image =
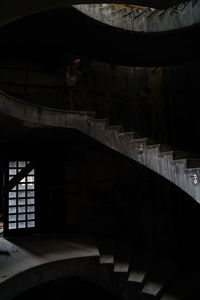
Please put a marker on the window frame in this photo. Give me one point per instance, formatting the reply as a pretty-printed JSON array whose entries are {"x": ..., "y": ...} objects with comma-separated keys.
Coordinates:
[{"x": 26, "y": 230}]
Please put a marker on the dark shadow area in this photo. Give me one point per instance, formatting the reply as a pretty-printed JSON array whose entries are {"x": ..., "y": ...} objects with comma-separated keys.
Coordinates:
[
  {"x": 67, "y": 288},
  {"x": 49, "y": 35}
]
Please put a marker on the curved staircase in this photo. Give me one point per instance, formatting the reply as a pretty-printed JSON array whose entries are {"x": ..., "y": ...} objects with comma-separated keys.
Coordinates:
[
  {"x": 144, "y": 19},
  {"x": 178, "y": 167}
]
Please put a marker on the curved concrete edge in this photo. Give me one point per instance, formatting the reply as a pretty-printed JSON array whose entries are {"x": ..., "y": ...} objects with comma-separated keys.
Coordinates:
[
  {"x": 39, "y": 260},
  {"x": 26, "y": 280},
  {"x": 177, "y": 17},
  {"x": 151, "y": 157},
  {"x": 12, "y": 10},
  {"x": 40, "y": 115}
]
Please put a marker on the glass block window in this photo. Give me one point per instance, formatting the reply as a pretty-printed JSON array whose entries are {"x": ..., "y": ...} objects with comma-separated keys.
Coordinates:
[{"x": 21, "y": 199}]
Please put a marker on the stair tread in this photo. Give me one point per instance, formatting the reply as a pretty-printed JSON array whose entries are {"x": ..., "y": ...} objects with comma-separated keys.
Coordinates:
[
  {"x": 126, "y": 133},
  {"x": 106, "y": 258},
  {"x": 105, "y": 246},
  {"x": 162, "y": 271},
  {"x": 140, "y": 265},
  {"x": 121, "y": 257}
]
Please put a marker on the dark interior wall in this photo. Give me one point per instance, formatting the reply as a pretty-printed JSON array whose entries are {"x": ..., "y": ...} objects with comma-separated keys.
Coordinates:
[
  {"x": 72, "y": 288},
  {"x": 181, "y": 88},
  {"x": 161, "y": 102},
  {"x": 91, "y": 189},
  {"x": 35, "y": 82},
  {"x": 82, "y": 190}
]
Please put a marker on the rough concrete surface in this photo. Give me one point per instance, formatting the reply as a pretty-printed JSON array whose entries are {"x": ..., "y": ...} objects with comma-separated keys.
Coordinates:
[{"x": 146, "y": 20}]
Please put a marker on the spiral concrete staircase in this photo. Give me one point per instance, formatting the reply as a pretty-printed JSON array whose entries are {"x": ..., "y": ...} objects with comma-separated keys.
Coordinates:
[
  {"x": 145, "y": 19},
  {"x": 181, "y": 168}
]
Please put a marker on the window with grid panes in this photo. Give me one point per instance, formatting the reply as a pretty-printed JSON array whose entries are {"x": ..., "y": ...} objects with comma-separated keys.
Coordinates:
[{"x": 21, "y": 199}]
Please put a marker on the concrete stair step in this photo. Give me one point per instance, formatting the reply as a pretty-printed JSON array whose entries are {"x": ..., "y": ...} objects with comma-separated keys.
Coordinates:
[
  {"x": 106, "y": 7},
  {"x": 150, "y": 13},
  {"x": 129, "y": 136},
  {"x": 106, "y": 250},
  {"x": 193, "y": 163},
  {"x": 183, "y": 5},
  {"x": 142, "y": 140},
  {"x": 161, "y": 272},
  {"x": 165, "y": 148},
  {"x": 141, "y": 263},
  {"x": 180, "y": 155},
  {"x": 120, "y": 12},
  {"x": 136, "y": 13},
  {"x": 166, "y": 153},
  {"x": 99, "y": 123},
  {"x": 162, "y": 148},
  {"x": 161, "y": 12},
  {"x": 142, "y": 12},
  {"x": 118, "y": 128},
  {"x": 129, "y": 13},
  {"x": 180, "y": 163},
  {"x": 103, "y": 120},
  {"x": 122, "y": 258}
]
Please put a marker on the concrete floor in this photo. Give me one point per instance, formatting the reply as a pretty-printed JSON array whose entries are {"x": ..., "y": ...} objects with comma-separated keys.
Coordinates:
[{"x": 21, "y": 254}]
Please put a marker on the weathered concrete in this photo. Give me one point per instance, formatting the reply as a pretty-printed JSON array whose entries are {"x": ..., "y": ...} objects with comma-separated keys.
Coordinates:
[
  {"x": 146, "y": 20},
  {"x": 12, "y": 10},
  {"x": 174, "y": 166}
]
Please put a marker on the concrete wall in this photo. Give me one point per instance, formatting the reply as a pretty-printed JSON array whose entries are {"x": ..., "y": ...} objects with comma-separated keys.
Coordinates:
[{"x": 35, "y": 82}]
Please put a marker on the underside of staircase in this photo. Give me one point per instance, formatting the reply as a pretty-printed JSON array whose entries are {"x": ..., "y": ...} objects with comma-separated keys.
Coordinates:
[
  {"x": 145, "y": 19},
  {"x": 10, "y": 10},
  {"x": 180, "y": 168}
]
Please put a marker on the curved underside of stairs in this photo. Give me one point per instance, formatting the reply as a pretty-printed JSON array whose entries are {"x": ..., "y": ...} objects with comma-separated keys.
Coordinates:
[
  {"x": 175, "y": 166},
  {"x": 12, "y": 10},
  {"x": 145, "y": 19}
]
